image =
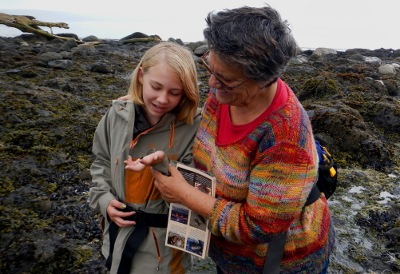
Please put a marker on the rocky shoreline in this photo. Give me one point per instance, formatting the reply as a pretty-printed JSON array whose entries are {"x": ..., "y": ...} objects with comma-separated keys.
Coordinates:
[{"x": 53, "y": 94}]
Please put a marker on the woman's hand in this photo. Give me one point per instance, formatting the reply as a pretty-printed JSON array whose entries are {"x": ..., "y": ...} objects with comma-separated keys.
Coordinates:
[
  {"x": 117, "y": 215},
  {"x": 172, "y": 187},
  {"x": 175, "y": 189}
]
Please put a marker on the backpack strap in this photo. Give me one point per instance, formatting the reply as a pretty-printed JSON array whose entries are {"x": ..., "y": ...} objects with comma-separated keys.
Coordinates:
[
  {"x": 314, "y": 195},
  {"x": 275, "y": 250}
]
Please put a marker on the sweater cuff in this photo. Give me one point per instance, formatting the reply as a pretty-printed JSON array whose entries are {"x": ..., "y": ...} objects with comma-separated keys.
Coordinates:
[{"x": 217, "y": 214}]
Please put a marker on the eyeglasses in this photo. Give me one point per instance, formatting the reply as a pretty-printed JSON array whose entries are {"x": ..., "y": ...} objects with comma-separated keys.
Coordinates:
[{"x": 228, "y": 87}]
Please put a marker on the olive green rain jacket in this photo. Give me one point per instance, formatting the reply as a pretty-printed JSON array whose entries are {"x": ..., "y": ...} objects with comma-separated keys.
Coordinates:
[{"x": 111, "y": 146}]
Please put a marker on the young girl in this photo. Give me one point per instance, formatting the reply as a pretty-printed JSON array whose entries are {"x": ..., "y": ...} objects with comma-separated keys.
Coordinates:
[{"x": 161, "y": 113}]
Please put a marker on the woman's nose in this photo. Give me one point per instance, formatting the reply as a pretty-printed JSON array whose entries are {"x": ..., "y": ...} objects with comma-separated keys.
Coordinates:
[{"x": 213, "y": 82}]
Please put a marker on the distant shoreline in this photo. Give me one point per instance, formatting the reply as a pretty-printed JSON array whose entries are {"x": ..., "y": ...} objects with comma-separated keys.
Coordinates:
[{"x": 11, "y": 33}]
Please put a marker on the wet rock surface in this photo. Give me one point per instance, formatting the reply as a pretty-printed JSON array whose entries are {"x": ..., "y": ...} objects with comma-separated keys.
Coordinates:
[{"x": 53, "y": 94}]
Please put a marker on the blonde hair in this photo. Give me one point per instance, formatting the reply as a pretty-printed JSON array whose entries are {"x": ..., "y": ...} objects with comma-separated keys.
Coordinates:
[{"x": 181, "y": 61}]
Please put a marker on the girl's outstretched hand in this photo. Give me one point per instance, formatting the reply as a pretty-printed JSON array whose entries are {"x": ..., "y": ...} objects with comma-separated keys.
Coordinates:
[
  {"x": 148, "y": 160},
  {"x": 134, "y": 165}
]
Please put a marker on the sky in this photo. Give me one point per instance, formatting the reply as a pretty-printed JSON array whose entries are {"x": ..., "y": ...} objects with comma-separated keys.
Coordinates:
[{"x": 339, "y": 24}]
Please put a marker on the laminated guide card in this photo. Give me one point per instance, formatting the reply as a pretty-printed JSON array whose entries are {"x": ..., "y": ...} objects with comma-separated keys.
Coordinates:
[{"x": 187, "y": 230}]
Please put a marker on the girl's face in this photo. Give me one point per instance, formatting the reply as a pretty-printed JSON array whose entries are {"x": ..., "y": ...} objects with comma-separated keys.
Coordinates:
[{"x": 162, "y": 91}]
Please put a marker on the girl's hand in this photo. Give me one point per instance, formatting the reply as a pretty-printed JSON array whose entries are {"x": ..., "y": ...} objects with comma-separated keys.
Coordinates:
[
  {"x": 117, "y": 215},
  {"x": 148, "y": 160},
  {"x": 134, "y": 165},
  {"x": 153, "y": 158}
]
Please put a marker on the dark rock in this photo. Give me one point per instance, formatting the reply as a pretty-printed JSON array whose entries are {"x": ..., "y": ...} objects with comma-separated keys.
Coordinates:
[
  {"x": 69, "y": 35},
  {"x": 322, "y": 52},
  {"x": 56, "y": 41},
  {"x": 178, "y": 41},
  {"x": 394, "y": 233},
  {"x": 32, "y": 38},
  {"x": 14, "y": 119},
  {"x": 194, "y": 45},
  {"x": 66, "y": 55},
  {"x": 357, "y": 57},
  {"x": 11, "y": 55},
  {"x": 396, "y": 53},
  {"x": 385, "y": 115},
  {"x": 101, "y": 68},
  {"x": 60, "y": 64},
  {"x": 6, "y": 239},
  {"x": 49, "y": 56},
  {"x": 85, "y": 175},
  {"x": 90, "y": 38},
  {"x": 83, "y": 51},
  {"x": 28, "y": 74},
  {"x": 68, "y": 45},
  {"x": 135, "y": 35},
  {"x": 392, "y": 87},
  {"x": 199, "y": 51}
]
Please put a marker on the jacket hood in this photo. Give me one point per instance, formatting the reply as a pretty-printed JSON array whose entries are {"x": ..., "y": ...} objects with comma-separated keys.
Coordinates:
[{"x": 122, "y": 108}]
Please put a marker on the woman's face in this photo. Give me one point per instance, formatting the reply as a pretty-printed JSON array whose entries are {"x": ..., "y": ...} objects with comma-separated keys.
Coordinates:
[
  {"x": 244, "y": 95},
  {"x": 162, "y": 91}
]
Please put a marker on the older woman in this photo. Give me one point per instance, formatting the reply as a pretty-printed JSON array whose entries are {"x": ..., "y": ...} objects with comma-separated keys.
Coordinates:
[{"x": 257, "y": 140}]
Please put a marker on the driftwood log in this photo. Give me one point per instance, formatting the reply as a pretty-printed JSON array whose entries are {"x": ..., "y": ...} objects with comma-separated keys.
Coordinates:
[
  {"x": 26, "y": 23},
  {"x": 134, "y": 40}
]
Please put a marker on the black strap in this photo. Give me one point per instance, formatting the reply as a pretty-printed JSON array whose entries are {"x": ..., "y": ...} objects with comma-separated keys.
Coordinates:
[
  {"x": 113, "y": 231},
  {"x": 314, "y": 195},
  {"x": 143, "y": 222},
  {"x": 275, "y": 250},
  {"x": 132, "y": 245},
  {"x": 274, "y": 257}
]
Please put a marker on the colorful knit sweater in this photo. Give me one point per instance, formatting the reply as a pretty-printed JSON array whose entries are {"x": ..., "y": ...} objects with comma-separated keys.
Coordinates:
[{"x": 263, "y": 181}]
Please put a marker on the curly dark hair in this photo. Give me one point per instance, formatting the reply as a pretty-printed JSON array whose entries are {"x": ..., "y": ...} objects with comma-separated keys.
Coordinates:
[{"x": 255, "y": 40}]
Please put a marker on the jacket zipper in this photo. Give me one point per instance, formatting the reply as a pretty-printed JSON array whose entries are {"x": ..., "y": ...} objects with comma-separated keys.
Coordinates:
[
  {"x": 157, "y": 247},
  {"x": 134, "y": 141},
  {"x": 171, "y": 135}
]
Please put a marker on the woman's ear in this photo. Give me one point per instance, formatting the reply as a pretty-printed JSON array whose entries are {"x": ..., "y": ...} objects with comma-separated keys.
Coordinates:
[{"x": 140, "y": 75}]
